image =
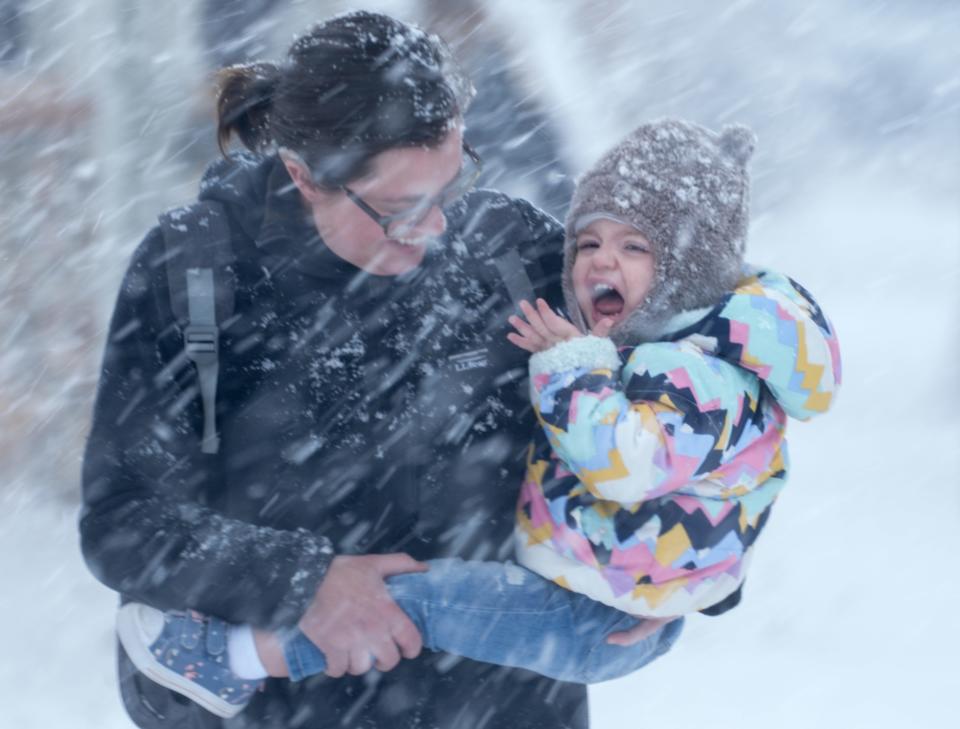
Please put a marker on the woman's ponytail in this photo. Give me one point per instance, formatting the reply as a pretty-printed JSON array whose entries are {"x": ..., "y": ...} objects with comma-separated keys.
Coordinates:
[{"x": 244, "y": 101}]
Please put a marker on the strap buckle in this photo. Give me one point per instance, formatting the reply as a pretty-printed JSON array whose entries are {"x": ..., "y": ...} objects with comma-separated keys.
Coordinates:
[{"x": 202, "y": 343}]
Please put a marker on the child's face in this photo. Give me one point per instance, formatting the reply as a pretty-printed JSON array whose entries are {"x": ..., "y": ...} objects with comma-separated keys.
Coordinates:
[{"x": 613, "y": 270}]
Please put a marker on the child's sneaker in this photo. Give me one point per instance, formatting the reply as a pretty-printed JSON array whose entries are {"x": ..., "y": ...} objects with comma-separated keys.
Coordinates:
[{"x": 187, "y": 653}]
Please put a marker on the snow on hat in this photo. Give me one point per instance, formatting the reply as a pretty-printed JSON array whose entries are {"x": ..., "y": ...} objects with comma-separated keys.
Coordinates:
[{"x": 686, "y": 189}]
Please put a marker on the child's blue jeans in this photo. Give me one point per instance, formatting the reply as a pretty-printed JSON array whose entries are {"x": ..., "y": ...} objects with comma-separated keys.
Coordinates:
[{"x": 507, "y": 615}]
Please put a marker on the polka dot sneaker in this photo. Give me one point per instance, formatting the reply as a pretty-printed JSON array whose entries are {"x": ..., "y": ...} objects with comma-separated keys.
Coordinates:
[{"x": 187, "y": 653}]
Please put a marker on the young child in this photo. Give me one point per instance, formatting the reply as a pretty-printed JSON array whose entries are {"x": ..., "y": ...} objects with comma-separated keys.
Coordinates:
[{"x": 662, "y": 405}]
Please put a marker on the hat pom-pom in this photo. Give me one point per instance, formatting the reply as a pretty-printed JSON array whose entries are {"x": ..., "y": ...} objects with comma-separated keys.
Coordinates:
[{"x": 738, "y": 142}]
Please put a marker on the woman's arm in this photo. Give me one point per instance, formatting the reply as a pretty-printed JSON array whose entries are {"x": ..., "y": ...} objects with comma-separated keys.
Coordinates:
[{"x": 145, "y": 531}]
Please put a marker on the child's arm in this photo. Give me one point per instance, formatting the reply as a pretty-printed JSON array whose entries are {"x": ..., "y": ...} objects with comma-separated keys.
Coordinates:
[{"x": 667, "y": 419}]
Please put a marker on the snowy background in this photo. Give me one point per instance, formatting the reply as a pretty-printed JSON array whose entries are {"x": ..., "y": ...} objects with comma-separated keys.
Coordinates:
[{"x": 850, "y": 618}]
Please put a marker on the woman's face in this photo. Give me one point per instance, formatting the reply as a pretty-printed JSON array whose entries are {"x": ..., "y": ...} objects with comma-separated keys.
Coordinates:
[
  {"x": 399, "y": 180},
  {"x": 613, "y": 270}
]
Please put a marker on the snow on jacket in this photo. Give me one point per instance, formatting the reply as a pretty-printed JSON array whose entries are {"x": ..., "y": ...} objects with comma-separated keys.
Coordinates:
[
  {"x": 653, "y": 475},
  {"x": 357, "y": 414}
]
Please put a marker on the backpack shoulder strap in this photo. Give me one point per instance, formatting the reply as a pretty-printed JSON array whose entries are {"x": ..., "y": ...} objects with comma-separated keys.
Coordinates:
[
  {"x": 514, "y": 274},
  {"x": 489, "y": 223},
  {"x": 199, "y": 260}
]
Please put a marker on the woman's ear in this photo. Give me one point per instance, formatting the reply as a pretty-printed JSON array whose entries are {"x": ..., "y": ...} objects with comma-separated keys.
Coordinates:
[{"x": 300, "y": 174}]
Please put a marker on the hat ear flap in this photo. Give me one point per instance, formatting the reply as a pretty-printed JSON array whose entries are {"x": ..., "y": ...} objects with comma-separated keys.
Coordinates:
[{"x": 738, "y": 142}]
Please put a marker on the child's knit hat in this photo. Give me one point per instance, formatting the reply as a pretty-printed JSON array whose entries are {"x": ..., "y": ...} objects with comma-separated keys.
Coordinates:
[{"x": 687, "y": 190}]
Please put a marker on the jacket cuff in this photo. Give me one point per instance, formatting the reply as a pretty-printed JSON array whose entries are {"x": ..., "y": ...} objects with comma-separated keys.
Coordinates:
[
  {"x": 315, "y": 557},
  {"x": 587, "y": 352}
]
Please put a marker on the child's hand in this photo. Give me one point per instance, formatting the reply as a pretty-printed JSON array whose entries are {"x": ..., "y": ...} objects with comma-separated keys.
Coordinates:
[
  {"x": 547, "y": 328},
  {"x": 643, "y": 630}
]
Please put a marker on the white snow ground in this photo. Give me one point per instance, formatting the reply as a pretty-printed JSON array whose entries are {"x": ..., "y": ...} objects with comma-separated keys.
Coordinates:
[{"x": 850, "y": 617}]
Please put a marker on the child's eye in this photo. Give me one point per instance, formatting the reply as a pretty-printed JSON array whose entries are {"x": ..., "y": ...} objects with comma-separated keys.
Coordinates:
[
  {"x": 637, "y": 247},
  {"x": 582, "y": 244}
]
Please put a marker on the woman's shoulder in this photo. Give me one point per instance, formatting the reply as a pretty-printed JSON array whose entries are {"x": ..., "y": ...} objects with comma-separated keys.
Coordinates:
[
  {"x": 144, "y": 269},
  {"x": 489, "y": 219}
]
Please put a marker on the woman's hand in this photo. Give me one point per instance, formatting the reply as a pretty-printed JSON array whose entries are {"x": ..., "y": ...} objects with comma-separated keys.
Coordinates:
[
  {"x": 353, "y": 619},
  {"x": 546, "y": 328}
]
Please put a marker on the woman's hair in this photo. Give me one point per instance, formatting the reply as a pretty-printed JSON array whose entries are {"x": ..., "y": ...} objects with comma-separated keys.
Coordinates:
[{"x": 351, "y": 87}]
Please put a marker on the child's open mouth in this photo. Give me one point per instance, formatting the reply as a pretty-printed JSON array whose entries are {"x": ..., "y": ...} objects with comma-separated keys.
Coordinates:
[{"x": 607, "y": 301}]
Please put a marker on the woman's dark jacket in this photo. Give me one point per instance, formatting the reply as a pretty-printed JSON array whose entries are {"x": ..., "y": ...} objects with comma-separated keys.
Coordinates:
[{"x": 357, "y": 414}]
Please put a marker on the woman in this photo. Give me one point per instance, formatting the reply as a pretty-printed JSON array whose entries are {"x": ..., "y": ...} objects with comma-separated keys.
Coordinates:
[{"x": 366, "y": 398}]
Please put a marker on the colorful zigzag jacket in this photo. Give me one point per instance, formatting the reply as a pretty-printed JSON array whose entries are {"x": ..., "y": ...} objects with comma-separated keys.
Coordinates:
[{"x": 656, "y": 467}]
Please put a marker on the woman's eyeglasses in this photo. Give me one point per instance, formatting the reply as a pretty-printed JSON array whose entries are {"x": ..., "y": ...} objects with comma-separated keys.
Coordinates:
[{"x": 398, "y": 225}]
